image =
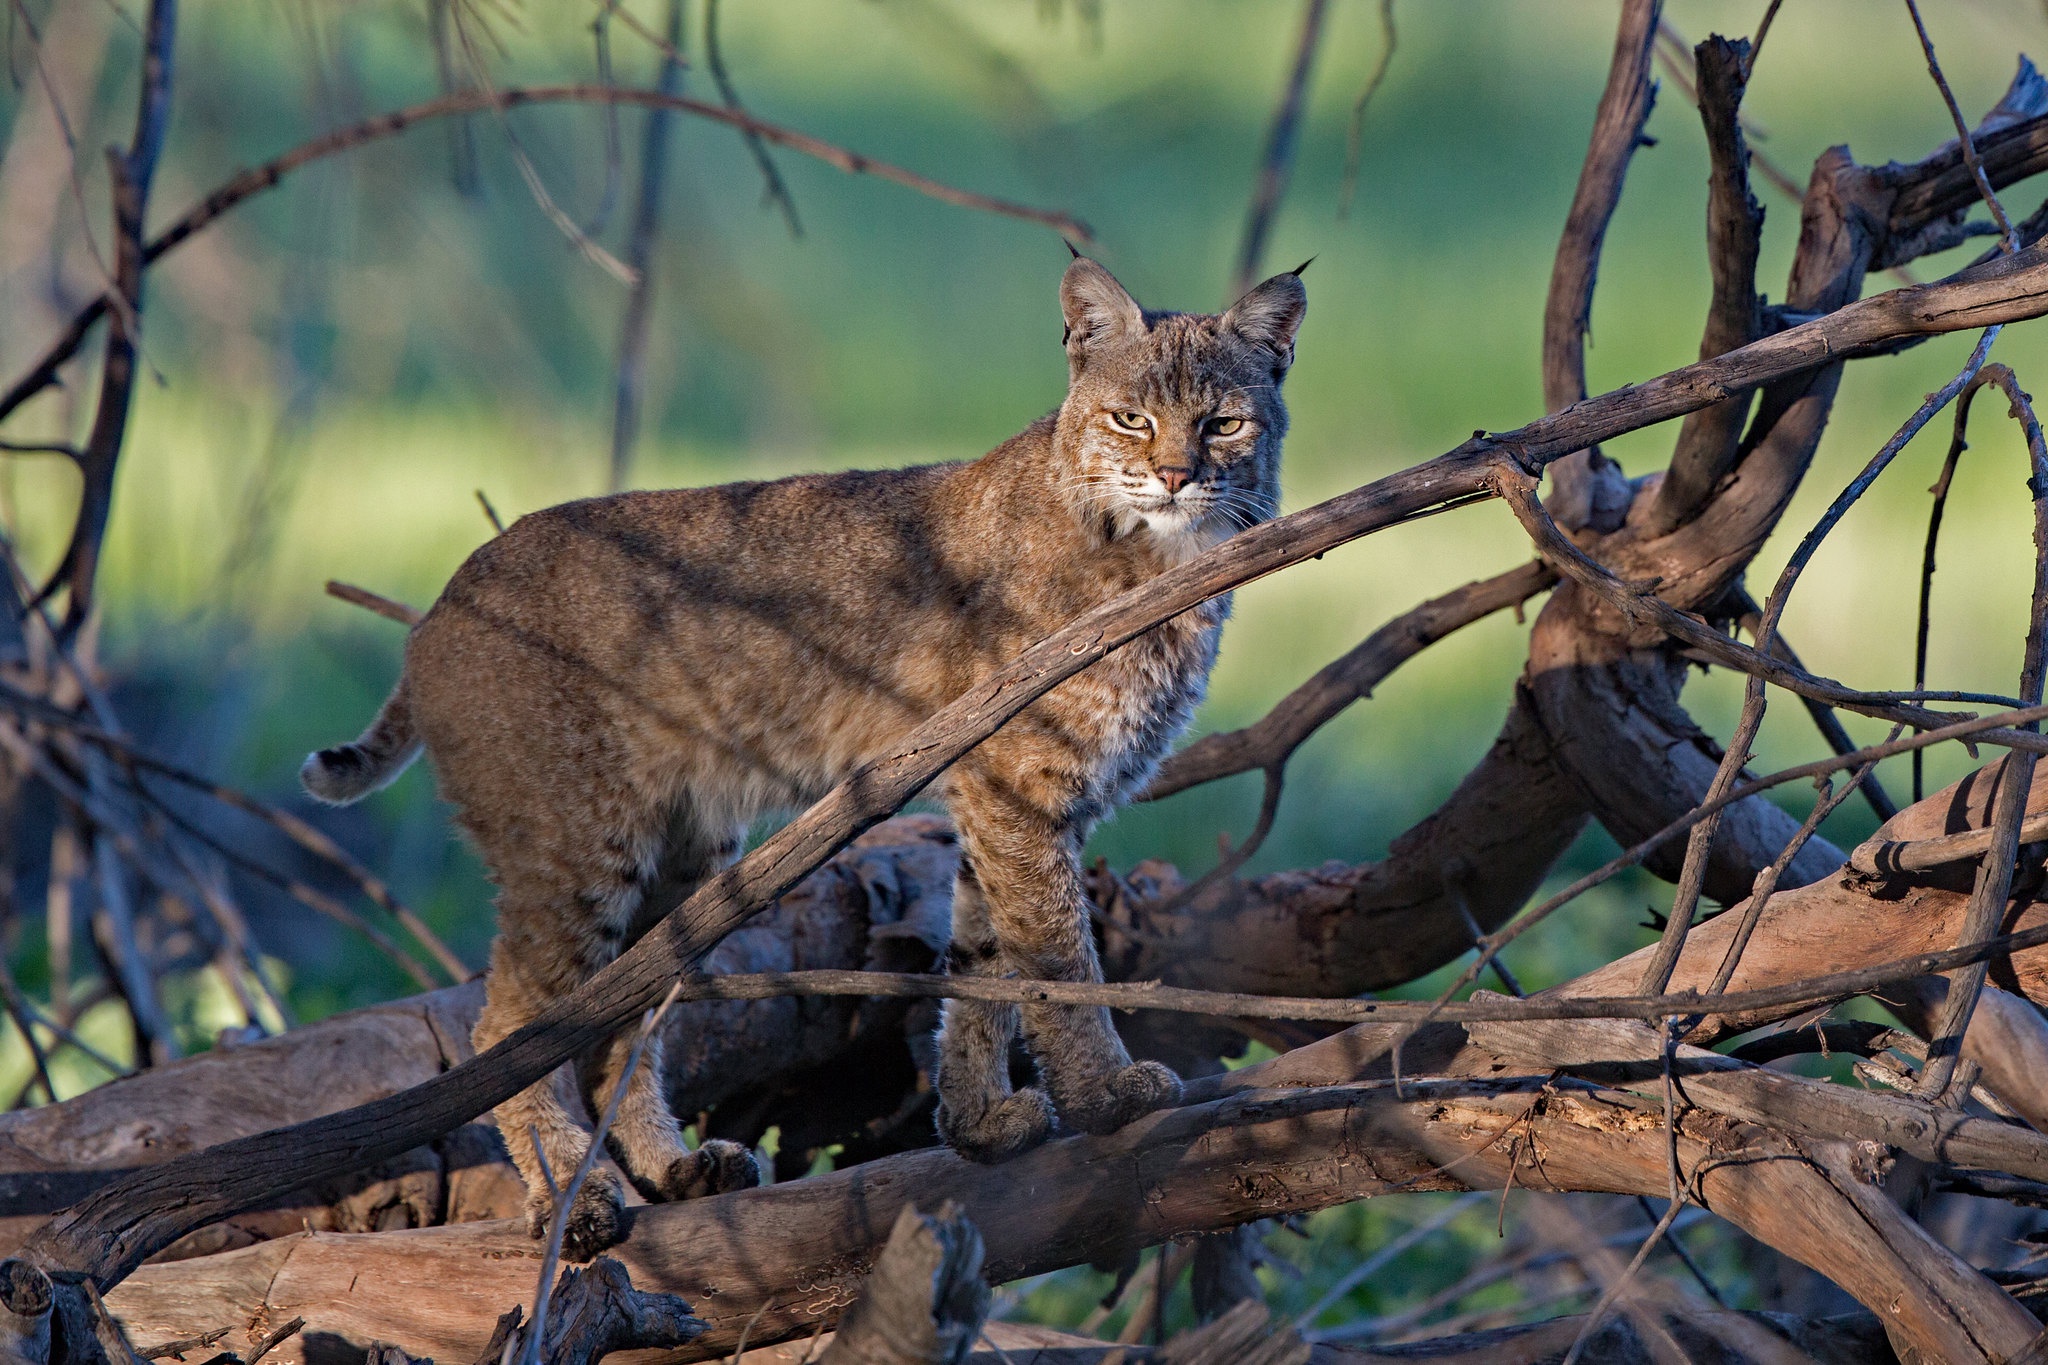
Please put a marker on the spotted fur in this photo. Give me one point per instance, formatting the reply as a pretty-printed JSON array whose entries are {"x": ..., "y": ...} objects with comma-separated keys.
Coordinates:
[{"x": 612, "y": 689}]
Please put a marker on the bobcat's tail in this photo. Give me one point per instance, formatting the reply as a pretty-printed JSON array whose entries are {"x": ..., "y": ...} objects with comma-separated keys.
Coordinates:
[{"x": 349, "y": 772}]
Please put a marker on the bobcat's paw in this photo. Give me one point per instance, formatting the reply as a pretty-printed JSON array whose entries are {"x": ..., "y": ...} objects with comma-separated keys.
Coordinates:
[
  {"x": 1015, "y": 1124},
  {"x": 716, "y": 1167},
  {"x": 596, "y": 1220},
  {"x": 1125, "y": 1095}
]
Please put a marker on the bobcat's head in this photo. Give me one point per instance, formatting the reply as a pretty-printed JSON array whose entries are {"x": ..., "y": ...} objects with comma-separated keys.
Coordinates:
[{"x": 1173, "y": 421}]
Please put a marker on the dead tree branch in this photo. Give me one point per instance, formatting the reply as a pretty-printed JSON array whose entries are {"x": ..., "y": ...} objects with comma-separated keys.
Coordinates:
[
  {"x": 1587, "y": 489},
  {"x": 267, "y": 176},
  {"x": 115, "y": 1228}
]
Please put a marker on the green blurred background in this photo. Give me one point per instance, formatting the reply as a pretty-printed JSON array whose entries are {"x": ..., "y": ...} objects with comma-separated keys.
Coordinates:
[{"x": 337, "y": 367}]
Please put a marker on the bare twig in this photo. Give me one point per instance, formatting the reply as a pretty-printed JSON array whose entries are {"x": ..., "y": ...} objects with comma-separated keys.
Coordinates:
[
  {"x": 18, "y": 1010},
  {"x": 654, "y": 145},
  {"x": 1372, "y": 1264},
  {"x": 267, "y": 176},
  {"x": 1968, "y": 143},
  {"x": 565, "y": 1198},
  {"x": 132, "y": 173},
  {"x": 773, "y": 189},
  {"x": 1763, "y": 29},
  {"x": 2009, "y": 804},
  {"x": 291, "y": 826},
  {"x": 585, "y": 245},
  {"x": 370, "y": 601},
  {"x": 1276, "y": 165},
  {"x": 1354, "y": 137},
  {"x": 1636, "y": 853},
  {"x": 1272, "y": 740},
  {"x": 1483, "y": 1008},
  {"x": 1767, "y": 880},
  {"x": 1692, "y": 879},
  {"x": 1709, "y": 440},
  {"x": 1823, "y": 716}
]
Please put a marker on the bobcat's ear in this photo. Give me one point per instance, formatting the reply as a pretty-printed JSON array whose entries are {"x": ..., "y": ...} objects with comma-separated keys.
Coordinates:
[
  {"x": 1096, "y": 307},
  {"x": 1270, "y": 315}
]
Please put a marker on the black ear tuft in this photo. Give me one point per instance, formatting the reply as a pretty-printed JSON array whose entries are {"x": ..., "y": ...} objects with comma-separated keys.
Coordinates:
[
  {"x": 1072, "y": 250},
  {"x": 1270, "y": 315},
  {"x": 1095, "y": 306},
  {"x": 1296, "y": 272}
]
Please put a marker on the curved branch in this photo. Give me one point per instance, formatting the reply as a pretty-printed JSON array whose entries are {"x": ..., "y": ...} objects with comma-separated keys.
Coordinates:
[
  {"x": 1588, "y": 489},
  {"x": 257, "y": 179},
  {"x": 1708, "y": 439},
  {"x": 1272, "y": 740}
]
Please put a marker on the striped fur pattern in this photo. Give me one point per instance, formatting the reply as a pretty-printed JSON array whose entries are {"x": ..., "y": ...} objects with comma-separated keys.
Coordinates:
[{"x": 613, "y": 689}]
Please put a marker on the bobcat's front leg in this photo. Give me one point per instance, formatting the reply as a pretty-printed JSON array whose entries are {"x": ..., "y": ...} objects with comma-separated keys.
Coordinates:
[
  {"x": 1025, "y": 862},
  {"x": 980, "y": 1117}
]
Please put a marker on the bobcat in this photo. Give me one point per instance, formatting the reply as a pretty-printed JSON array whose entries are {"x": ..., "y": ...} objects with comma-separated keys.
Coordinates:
[{"x": 612, "y": 689}]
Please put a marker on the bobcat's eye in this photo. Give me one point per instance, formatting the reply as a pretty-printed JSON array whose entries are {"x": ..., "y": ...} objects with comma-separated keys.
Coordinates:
[
  {"x": 1226, "y": 426},
  {"x": 1131, "y": 421}
]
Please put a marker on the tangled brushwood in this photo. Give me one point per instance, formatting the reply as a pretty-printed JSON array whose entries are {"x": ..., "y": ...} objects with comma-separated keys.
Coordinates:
[{"x": 330, "y": 1193}]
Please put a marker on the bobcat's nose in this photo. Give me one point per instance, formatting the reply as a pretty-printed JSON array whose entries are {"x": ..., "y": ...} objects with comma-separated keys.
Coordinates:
[{"x": 1175, "y": 477}]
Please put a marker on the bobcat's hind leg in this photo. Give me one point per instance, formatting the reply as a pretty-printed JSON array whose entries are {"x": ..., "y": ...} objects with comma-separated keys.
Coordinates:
[
  {"x": 980, "y": 1117},
  {"x": 645, "y": 1137},
  {"x": 545, "y": 1139}
]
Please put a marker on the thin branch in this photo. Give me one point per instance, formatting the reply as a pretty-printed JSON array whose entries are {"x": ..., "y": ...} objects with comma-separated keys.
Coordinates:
[
  {"x": 1643, "y": 609},
  {"x": 1886, "y": 858},
  {"x": 654, "y": 144},
  {"x": 565, "y": 1198},
  {"x": 64, "y": 448},
  {"x": 1692, "y": 878},
  {"x": 1482, "y": 1008},
  {"x": 528, "y": 172},
  {"x": 132, "y": 174},
  {"x": 1988, "y": 897},
  {"x": 267, "y": 176},
  {"x": 1767, "y": 880},
  {"x": 773, "y": 189},
  {"x": 370, "y": 601},
  {"x": 18, "y": 1009},
  {"x": 614, "y": 161},
  {"x": 1354, "y": 137},
  {"x": 1710, "y": 439},
  {"x": 1823, "y": 716},
  {"x": 1763, "y": 30},
  {"x": 1276, "y": 166},
  {"x": 1272, "y": 740},
  {"x": 1969, "y": 146}
]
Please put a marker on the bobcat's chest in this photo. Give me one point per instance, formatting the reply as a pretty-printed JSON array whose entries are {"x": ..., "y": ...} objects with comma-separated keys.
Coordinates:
[{"x": 1133, "y": 703}]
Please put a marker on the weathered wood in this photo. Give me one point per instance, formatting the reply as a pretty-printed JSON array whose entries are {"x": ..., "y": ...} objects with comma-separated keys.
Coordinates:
[
  {"x": 1588, "y": 490},
  {"x": 596, "y": 1311},
  {"x": 1202, "y": 1168},
  {"x": 923, "y": 1303}
]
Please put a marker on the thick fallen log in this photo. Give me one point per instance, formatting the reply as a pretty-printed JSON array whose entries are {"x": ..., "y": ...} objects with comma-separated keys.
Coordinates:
[{"x": 790, "y": 1257}]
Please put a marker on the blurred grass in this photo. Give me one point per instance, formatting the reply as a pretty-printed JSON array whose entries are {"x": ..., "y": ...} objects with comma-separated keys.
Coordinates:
[{"x": 346, "y": 360}]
